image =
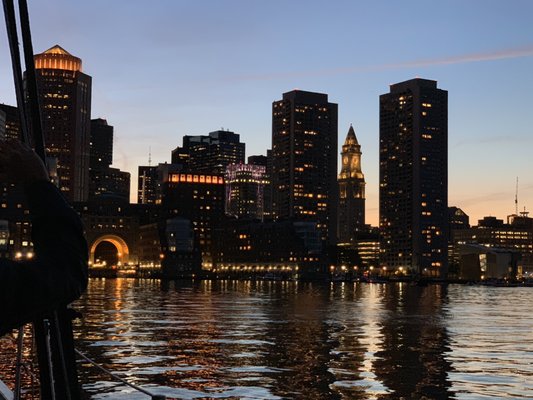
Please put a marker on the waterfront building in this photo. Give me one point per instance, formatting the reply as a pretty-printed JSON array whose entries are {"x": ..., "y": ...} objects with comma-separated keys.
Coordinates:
[
  {"x": 278, "y": 248},
  {"x": 245, "y": 190},
  {"x": 514, "y": 235},
  {"x": 200, "y": 199},
  {"x": 304, "y": 160},
  {"x": 413, "y": 192},
  {"x": 478, "y": 263},
  {"x": 112, "y": 233},
  {"x": 351, "y": 191},
  {"x": 210, "y": 154},
  {"x": 65, "y": 98}
]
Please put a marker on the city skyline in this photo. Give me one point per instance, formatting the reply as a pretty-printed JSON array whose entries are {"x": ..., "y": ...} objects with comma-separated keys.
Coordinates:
[{"x": 178, "y": 69}]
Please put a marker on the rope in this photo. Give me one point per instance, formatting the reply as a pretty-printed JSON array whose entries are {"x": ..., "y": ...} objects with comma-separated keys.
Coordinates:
[
  {"x": 118, "y": 378},
  {"x": 18, "y": 368}
]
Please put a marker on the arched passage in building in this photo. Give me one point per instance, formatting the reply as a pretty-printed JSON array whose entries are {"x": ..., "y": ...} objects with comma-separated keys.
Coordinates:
[{"x": 110, "y": 249}]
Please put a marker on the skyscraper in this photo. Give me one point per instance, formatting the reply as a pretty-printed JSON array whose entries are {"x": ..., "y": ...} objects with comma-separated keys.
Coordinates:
[
  {"x": 351, "y": 191},
  {"x": 304, "y": 160},
  {"x": 65, "y": 98},
  {"x": 211, "y": 153},
  {"x": 414, "y": 177}
]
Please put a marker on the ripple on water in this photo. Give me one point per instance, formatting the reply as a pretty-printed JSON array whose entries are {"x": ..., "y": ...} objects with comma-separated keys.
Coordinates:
[{"x": 292, "y": 340}]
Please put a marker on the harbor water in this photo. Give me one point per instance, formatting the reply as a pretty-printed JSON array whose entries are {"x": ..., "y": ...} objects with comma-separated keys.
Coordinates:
[{"x": 291, "y": 340}]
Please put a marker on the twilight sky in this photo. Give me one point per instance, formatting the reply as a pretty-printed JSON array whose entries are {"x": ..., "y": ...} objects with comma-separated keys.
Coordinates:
[{"x": 164, "y": 69}]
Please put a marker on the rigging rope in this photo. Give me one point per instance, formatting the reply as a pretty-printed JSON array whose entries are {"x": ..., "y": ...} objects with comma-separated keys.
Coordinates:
[{"x": 118, "y": 378}]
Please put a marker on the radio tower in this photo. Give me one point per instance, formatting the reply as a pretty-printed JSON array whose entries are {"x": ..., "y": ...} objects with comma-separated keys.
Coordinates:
[{"x": 516, "y": 198}]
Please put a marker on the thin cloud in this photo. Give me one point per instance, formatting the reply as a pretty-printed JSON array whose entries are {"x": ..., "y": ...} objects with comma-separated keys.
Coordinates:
[
  {"x": 495, "y": 140},
  {"x": 518, "y": 52}
]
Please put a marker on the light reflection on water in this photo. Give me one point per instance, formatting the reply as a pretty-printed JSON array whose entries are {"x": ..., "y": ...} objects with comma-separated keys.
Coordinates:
[{"x": 289, "y": 340}]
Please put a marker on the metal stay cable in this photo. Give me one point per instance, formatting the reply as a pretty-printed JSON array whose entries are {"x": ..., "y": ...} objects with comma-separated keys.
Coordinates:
[{"x": 118, "y": 378}]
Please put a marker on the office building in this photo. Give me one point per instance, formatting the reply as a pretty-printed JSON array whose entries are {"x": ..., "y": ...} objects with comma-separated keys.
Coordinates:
[
  {"x": 65, "y": 98},
  {"x": 198, "y": 198},
  {"x": 413, "y": 170},
  {"x": 210, "y": 154},
  {"x": 304, "y": 160},
  {"x": 245, "y": 185},
  {"x": 351, "y": 191}
]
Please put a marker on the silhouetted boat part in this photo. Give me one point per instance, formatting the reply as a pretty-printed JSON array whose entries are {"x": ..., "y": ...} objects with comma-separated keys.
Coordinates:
[{"x": 58, "y": 378}]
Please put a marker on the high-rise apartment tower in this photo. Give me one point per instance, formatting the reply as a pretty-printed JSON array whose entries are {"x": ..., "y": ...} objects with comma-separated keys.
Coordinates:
[
  {"x": 413, "y": 170},
  {"x": 304, "y": 160}
]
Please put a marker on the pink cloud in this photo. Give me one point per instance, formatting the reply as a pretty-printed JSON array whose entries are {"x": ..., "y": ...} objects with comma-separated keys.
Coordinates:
[{"x": 518, "y": 52}]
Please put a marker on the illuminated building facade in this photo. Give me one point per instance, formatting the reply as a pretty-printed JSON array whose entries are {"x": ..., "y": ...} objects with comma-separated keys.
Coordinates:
[
  {"x": 147, "y": 185},
  {"x": 65, "y": 98},
  {"x": 200, "y": 199},
  {"x": 212, "y": 153},
  {"x": 283, "y": 248},
  {"x": 245, "y": 190},
  {"x": 414, "y": 178},
  {"x": 304, "y": 160},
  {"x": 351, "y": 191},
  {"x": 516, "y": 235}
]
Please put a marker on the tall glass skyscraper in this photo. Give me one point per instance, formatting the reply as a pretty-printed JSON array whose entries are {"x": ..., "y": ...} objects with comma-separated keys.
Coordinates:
[{"x": 413, "y": 189}]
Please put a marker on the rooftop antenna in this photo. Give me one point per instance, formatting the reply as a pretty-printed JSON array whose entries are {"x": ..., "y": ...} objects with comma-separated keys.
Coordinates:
[
  {"x": 149, "y": 156},
  {"x": 516, "y": 198}
]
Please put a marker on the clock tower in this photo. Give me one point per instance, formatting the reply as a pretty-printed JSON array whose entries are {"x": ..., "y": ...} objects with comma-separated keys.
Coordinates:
[{"x": 351, "y": 191}]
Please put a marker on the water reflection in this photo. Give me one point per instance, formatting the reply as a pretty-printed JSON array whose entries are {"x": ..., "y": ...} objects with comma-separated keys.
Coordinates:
[
  {"x": 412, "y": 360},
  {"x": 289, "y": 340}
]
